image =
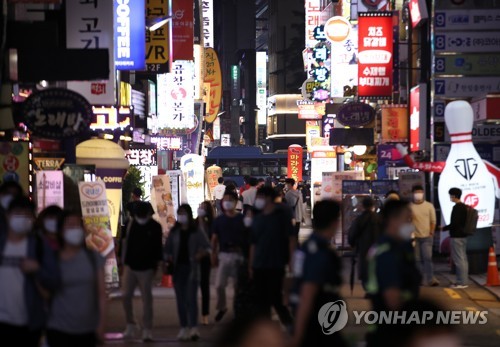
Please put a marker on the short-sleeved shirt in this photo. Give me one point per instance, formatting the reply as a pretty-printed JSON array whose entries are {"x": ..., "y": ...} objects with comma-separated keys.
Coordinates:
[
  {"x": 74, "y": 308},
  {"x": 230, "y": 232},
  {"x": 219, "y": 191},
  {"x": 12, "y": 302},
  {"x": 270, "y": 237}
]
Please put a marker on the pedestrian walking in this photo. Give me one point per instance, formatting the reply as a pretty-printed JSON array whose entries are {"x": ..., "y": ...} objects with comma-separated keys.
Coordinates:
[
  {"x": 9, "y": 190},
  {"x": 424, "y": 222},
  {"x": 77, "y": 310},
  {"x": 248, "y": 195},
  {"x": 185, "y": 247},
  {"x": 143, "y": 255},
  {"x": 293, "y": 198},
  {"x": 28, "y": 275},
  {"x": 228, "y": 242},
  {"x": 219, "y": 190},
  {"x": 318, "y": 272},
  {"x": 205, "y": 221},
  {"x": 458, "y": 239},
  {"x": 46, "y": 226},
  {"x": 272, "y": 243}
]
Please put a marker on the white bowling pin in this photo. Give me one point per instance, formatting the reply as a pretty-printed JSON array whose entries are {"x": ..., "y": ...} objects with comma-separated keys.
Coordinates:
[{"x": 464, "y": 167}]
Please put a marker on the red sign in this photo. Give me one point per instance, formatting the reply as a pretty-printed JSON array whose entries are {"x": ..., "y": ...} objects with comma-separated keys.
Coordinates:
[
  {"x": 182, "y": 29},
  {"x": 472, "y": 200},
  {"x": 418, "y": 12},
  {"x": 295, "y": 154},
  {"x": 375, "y": 68},
  {"x": 415, "y": 119}
]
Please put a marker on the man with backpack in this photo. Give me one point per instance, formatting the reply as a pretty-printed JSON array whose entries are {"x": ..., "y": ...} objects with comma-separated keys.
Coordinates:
[{"x": 462, "y": 224}]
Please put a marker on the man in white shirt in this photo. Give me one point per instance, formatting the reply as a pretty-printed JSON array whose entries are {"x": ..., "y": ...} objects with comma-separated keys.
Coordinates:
[
  {"x": 250, "y": 194},
  {"x": 219, "y": 194}
]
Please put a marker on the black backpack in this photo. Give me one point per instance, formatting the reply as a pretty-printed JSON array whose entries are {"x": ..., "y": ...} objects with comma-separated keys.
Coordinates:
[{"x": 470, "y": 221}]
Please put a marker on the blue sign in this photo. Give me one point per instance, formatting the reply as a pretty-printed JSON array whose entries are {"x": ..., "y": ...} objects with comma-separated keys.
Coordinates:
[{"x": 130, "y": 34}]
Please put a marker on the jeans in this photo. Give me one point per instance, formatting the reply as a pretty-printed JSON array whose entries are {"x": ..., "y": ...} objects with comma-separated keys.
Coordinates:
[
  {"x": 205, "y": 267},
  {"x": 269, "y": 293},
  {"x": 459, "y": 257},
  {"x": 186, "y": 289},
  {"x": 423, "y": 257},
  {"x": 143, "y": 279},
  {"x": 57, "y": 338},
  {"x": 228, "y": 267}
]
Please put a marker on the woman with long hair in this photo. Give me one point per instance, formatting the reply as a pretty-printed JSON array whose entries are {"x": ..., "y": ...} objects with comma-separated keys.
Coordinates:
[
  {"x": 77, "y": 312},
  {"x": 206, "y": 215},
  {"x": 186, "y": 246}
]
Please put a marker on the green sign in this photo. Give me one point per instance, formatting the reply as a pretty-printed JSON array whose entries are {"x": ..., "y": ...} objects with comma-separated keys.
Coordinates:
[{"x": 468, "y": 65}]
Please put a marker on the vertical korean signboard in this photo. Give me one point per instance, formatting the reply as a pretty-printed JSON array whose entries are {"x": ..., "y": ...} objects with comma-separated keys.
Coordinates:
[
  {"x": 375, "y": 68},
  {"x": 261, "y": 67},
  {"x": 130, "y": 30},
  {"x": 295, "y": 154},
  {"x": 415, "y": 119},
  {"x": 394, "y": 123},
  {"x": 313, "y": 15},
  {"x": 89, "y": 25},
  {"x": 207, "y": 8},
  {"x": 213, "y": 77},
  {"x": 49, "y": 189},
  {"x": 182, "y": 29},
  {"x": 157, "y": 41}
]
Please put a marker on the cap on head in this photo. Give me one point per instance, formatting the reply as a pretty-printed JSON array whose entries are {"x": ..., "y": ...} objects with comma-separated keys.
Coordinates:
[{"x": 459, "y": 117}]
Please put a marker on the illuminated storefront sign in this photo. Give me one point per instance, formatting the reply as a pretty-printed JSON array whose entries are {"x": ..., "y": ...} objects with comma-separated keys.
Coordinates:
[
  {"x": 207, "y": 7},
  {"x": 337, "y": 29},
  {"x": 110, "y": 118},
  {"x": 295, "y": 154},
  {"x": 310, "y": 110},
  {"x": 193, "y": 172},
  {"x": 344, "y": 64},
  {"x": 157, "y": 41},
  {"x": 130, "y": 30},
  {"x": 141, "y": 156},
  {"x": 356, "y": 114},
  {"x": 394, "y": 123},
  {"x": 375, "y": 68},
  {"x": 313, "y": 129},
  {"x": 261, "y": 73},
  {"x": 415, "y": 119},
  {"x": 167, "y": 143},
  {"x": 320, "y": 72},
  {"x": 49, "y": 189},
  {"x": 313, "y": 15},
  {"x": 182, "y": 29},
  {"x": 213, "y": 76},
  {"x": 418, "y": 11}
]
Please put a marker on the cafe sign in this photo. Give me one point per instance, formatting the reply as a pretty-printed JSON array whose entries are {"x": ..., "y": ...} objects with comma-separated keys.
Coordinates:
[{"x": 57, "y": 112}]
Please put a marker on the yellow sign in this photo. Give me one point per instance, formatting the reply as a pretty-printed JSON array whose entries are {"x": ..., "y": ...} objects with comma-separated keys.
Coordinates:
[
  {"x": 48, "y": 163},
  {"x": 394, "y": 123},
  {"x": 212, "y": 175},
  {"x": 313, "y": 130},
  {"x": 213, "y": 75},
  {"x": 157, "y": 42}
]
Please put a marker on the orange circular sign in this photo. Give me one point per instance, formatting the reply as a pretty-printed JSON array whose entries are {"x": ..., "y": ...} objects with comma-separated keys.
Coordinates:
[{"x": 337, "y": 29}]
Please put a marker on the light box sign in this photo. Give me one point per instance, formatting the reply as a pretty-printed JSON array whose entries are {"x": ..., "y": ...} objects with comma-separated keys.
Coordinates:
[
  {"x": 295, "y": 154},
  {"x": 261, "y": 97},
  {"x": 49, "y": 189},
  {"x": 207, "y": 7},
  {"x": 394, "y": 123},
  {"x": 213, "y": 77},
  {"x": 375, "y": 68},
  {"x": 141, "y": 157},
  {"x": 465, "y": 87},
  {"x": 194, "y": 173},
  {"x": 468, "y": 64},
  {"x": 467, "y": 19},
  {"x": 418, "y": 12},
  {"x": 307, "y": 110},
  {"x": 467, "y": 41},
  {"x": 130, "y": 30},
  {"x": 110, "y": 118},
  {"x": 167, "y": 143},
  {"x": 415, "y": 119},
  {"x": 158, "y": 41},
  {"x": 182, "y": 29},
  {"x": 313, "y": 15}
]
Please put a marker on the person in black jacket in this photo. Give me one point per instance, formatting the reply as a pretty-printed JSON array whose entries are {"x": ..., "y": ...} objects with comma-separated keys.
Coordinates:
[
  {"x": 458, "y": 239},
  {"x": 143, "y": 254}
]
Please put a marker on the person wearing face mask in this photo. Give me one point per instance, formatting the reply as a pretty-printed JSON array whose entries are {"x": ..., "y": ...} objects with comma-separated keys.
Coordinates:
[
  {"x": 28, "y": 270},
  {"x": 77, "y": 308},
  {"x": 8, "y": 191},
  {"x": 143, "y": 255},
  {"x": 393, "y": 276},
  {"x": 228, "y": 242},
  {"x": 205, "y": 221},
  {"x": 46, "y": 225},
  {"x": 186, "y": 246},
  {"x": 424, "y": 222}
]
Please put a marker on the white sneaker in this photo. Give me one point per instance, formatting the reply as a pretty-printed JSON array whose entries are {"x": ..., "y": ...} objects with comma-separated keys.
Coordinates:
[
  {"x": 183, "y": 335},
  {"x": 130, "y": 331},
  {"x": 194, "y": 334},
  {"x": 147, "y": 335}
]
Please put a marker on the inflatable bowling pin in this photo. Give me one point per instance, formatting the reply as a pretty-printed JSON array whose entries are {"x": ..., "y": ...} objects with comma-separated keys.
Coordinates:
[{"x": 464, "y": 167}]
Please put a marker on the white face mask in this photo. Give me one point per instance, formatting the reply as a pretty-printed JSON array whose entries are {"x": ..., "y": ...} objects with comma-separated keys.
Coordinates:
[
  {"x": 259, "y": 203},
  {"x": 5, "y": 201},
  {"x": 406, "y": 230},
  {"x": 20, "y": 224},
  {"x": 201, "y": 212},
  {"x": 418, "y": 196},
  {"x": 248, "y": 221},
  {"x": 142, "y": 221},
  {"x": 182, "y": 219},
  {"x": 50, "y": 225},
  {"x": 228, "y": 205},
  {"x": 74, "y": 236}
]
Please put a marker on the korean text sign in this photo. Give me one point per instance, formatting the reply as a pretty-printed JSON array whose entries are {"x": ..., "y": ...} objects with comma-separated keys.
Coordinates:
[
  {"x": 295, "y": 154},
  {"x": 182, "y": 29},
  {"x": 158, "y": 41},
  {"x": 394, "y": 123},
  {"x": 213, "y": 76},
  {"x": 130, "y": 30},
  {"x": 375, "y": 68}
]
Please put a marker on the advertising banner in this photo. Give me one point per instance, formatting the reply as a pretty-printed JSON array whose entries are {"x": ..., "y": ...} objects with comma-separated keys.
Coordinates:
[
  {"x": 467, "y": 41},
  {"x": 49, "y": 189},
  {"x": 394, "y": 123},
  {"x": 409, "y": 179},
  {"x": 375, "y": 67},
  {"x": 467, "y": 19},
  {"x": 182, "y": 29},
  {"x": 468, "y": 64},
  {"x": 212, "y": 175},
  {"x": 176, "y": 188},
  {"x": 207, "y": 7},
  {"x": 193, "y": 173},
  {"x": 418, "y": 118},
  {"x": 95, "y": 215},
  {"x": 130, "y": 30},
  {"x": 89, "y": 25},
  {"x": 295, "y": 156},
  {"x": 213, "y": 77},
  {"x": 163, "y": 202},
  {"x": 388, "y": 156},
  {"x": 313, "y": 129},
  {"x": 335, "y": 191},
  {"x": 261, "y": 97},
  {"x": 113, "y": 180},
  {"x": 465, "y": 87},
  {"x": 157, "y": 41},
  {"x": 14, "y": 159}
]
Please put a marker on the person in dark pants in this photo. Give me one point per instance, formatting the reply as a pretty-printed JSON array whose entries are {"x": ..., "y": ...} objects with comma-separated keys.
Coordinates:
[
  {"x": 206, "y": 215},
  {"x": 293, "y": 198},
  {"x": 272, "y": 243},
  {"x": 393, "y": 276},
  {"x": 363, "y": 233},
  {"x": 318, "y": 272}
]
